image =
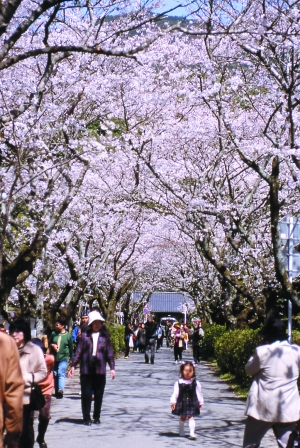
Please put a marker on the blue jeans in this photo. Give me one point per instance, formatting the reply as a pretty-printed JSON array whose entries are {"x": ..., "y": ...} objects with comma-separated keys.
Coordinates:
[{"x": 60, "y": 375}]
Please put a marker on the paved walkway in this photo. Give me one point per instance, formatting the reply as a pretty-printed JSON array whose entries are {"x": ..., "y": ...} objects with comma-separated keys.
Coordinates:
[{"x": 136, "y": 410}]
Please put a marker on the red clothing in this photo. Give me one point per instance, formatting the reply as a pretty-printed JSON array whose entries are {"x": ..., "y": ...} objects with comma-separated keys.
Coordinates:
[{"x": 47, "y": 384}]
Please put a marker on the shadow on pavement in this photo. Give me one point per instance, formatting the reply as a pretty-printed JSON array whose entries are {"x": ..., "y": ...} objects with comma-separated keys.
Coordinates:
[
  {"x": 77, "y": 421},
  {"x": 169, "y": 434}
]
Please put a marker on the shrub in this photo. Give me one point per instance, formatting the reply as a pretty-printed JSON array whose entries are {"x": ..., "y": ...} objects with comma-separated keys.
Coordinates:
[
  {"x": 296, "y": 337},
  {"x": 233, "y": 350},
  {"x": 117, "y": 338},
  {"x": 211, "y": 335}
]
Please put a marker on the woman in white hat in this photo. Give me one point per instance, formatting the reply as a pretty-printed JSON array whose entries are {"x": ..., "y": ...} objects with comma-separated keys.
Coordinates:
[{"x": 93, "y": 352}]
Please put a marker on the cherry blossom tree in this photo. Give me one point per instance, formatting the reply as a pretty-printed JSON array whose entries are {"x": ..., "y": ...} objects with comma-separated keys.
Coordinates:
[{"x": 46, "y": 146}]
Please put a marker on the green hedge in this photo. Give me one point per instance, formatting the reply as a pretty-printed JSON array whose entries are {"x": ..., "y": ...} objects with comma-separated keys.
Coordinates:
[
  {"x": 296, "y": 337},
  {"x": 117, "y": 338},
  {"x": 211, "y": 335},
  {"x": 233, "y": 350}
]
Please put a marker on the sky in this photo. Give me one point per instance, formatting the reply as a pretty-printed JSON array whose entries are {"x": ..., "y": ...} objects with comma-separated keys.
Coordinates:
[{"x": 170, "y": 4}]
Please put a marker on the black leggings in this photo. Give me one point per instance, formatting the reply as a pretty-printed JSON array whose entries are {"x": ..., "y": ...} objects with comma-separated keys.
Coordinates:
[{"x": 27, "y": 436}]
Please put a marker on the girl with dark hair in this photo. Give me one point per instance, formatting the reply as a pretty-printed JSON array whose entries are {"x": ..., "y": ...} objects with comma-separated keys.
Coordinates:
[
  {"x": 33, "y": 369},
  {"x": 187, "y": 399}
]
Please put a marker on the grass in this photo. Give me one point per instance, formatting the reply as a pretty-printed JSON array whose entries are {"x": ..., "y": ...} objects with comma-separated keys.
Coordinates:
[
  {"x": 228, "y": 378},
  {"x": 241, "y": 392}
]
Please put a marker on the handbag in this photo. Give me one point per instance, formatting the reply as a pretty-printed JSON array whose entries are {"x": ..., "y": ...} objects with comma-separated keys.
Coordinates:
[{"x": 37, "y": 399}]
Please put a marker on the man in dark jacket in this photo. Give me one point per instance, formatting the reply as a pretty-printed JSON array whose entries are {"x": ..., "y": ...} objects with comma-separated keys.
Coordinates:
[{"x": 151, "y": 337}]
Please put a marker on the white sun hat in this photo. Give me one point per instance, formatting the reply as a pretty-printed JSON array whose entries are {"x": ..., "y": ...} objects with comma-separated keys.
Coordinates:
[{"x": 95, "y": 315}]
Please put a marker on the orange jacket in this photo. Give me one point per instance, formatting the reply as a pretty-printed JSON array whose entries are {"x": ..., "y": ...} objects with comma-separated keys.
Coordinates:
[
  {"x": 11, "y": 387},
  {"x": 47, "y": 384}
]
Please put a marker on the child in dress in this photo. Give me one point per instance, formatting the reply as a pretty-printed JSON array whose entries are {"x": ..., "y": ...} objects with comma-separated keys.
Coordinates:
[{"x": 187, "y": 399}]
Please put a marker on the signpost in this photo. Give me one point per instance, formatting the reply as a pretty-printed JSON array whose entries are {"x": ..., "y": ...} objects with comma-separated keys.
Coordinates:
[
  {"x": 145, "y": 312},
  {"x": 290, "y": 238}
]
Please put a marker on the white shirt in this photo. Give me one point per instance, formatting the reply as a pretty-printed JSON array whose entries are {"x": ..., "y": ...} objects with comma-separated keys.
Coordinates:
[
  {"x": 95, "y": 337},
  {"x": 174, "y": 397}
]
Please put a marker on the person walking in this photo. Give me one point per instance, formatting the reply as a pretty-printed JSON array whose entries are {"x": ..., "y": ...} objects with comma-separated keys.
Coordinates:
[
  {"x": 33, "y": 370},
  {"x": 11, "y": 392},
  {"x": 47, "y": 386},
  {"x": 76, "y": 333},
  {"x": 141, "y": 337},
  {"x": 127, "y": 335},
  {"x": 168, "y": 332},
  {"x": 273, "y": 399},
  {"x": 93, "y": 352},
  {"x": 62, "y": 347},
  {"x": 187, "y": 399},
  {"x": 196, "y": 340},
  {"x": 160, "y": 337},
  {"x": 178, "y": 342},
  {"x": 151, "y": 336}
]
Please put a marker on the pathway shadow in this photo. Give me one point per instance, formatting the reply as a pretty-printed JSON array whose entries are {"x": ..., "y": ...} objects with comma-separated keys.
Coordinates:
[
  {"x": 169, "y": 434},
  {"x": 77, "y": 421}
]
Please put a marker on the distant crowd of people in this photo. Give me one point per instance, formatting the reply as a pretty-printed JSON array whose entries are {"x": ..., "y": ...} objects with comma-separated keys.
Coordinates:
[
  {"x": 148, "y": 338},
  {"x": 273, "y": 400}
]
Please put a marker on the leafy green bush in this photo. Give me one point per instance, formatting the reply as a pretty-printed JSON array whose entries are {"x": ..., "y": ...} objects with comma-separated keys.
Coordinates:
[
  {"x": 211, "y": 335},
  {"x": 232, "y": 351},
  {"x": 117, "y": 338},
  {"x": 296, "y": 337}
]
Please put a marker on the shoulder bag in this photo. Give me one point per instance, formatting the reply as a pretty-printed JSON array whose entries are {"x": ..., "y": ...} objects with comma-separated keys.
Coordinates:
[{"x": 37, "y": 399}]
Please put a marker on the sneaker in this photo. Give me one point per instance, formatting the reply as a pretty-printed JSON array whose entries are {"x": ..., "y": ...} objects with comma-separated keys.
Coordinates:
[
  {"x": 96, "y": 421},
  {"x": 126, "y": 357},
  {"x": 192, "y": 437}
]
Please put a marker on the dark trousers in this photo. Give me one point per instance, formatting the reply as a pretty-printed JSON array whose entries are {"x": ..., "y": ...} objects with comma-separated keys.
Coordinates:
[
  {"x": 196, "y": 353},
  {"x": 127, "y": 348},
  {"x": 92, "y": 383},
  {"x": 255, "y": 430},
  {"x": 159, "y": 343},
  {"x": 142, "y": 348},
  {"x": 27, "y": 436},
  {"x": 178, "y": 352},
  {"x": 150, "y": 347}
]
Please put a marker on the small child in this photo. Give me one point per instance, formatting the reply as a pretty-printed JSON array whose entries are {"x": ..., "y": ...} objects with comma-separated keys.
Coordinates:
[{"x": 187, "y": 398}]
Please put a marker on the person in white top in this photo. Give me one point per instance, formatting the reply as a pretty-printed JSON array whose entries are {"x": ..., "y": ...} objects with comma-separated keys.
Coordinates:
[
  {"x": 273, "y": 399},
  {"x": 187, "y": 399}
]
